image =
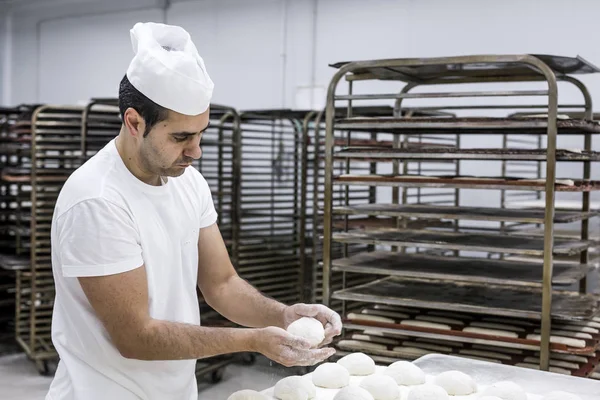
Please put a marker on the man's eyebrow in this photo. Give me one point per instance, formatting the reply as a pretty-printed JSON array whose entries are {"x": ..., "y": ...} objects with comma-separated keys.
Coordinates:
[{"x": 190, "y": 133}]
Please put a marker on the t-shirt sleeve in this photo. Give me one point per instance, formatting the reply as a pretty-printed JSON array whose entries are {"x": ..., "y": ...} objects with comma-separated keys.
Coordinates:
[
  {"x": 97, "y": 238},
  {"x": 208, "y": 214}
]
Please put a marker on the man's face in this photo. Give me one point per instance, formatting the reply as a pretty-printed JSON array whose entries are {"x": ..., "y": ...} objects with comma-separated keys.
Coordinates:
[{"x": 172, "y": 144}]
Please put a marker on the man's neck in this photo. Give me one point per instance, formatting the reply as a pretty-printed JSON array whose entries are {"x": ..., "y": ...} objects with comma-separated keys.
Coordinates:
[{"x": 131, "y": 160}]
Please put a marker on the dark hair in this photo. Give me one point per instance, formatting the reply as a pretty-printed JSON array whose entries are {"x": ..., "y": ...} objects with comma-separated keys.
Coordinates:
[{"x": 130, "y": 97}]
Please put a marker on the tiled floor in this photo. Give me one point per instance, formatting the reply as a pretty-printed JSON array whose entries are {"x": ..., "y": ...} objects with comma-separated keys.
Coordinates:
[{"x": 19, "y": 379}]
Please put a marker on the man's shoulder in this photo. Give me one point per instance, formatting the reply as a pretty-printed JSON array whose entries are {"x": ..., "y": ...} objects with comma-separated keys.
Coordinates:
[{"x": 95, "y": 180}]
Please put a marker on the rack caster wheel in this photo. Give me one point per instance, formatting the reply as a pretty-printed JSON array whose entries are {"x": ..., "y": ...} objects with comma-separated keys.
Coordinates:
[
  {"x": 43, "y": 367},
  {"x": 217, "y": 375},
  {"x": 248, "y": 359}
]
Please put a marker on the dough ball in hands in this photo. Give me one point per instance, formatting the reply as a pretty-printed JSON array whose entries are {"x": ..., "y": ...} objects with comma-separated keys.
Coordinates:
[
  {"x": 308, "y": 328},
  {"x": 506, "y": 390},
  {"x": 295, "y": 388},
  {"x": 559, "y": 395},
  {"x": 353, "y": 393},
  {"x": 331, "y": 376},
  {"x": 427, "y": 392},
  {"x": 381, "y": 387},
  {"x": 456, "y": 383},
  {"x": 247, "y": 395},
  {"x": 405, "y": 373},
  {"x": 358, "y": 364}
]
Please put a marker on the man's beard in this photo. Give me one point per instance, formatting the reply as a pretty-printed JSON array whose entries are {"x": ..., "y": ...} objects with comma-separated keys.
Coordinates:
[{"x": 174, "y": 170}]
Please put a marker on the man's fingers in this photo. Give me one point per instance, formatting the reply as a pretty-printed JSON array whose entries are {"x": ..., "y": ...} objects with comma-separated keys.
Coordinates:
[
  {"x": 306, "y": 310},
  {"x": 334, "y": 325}
]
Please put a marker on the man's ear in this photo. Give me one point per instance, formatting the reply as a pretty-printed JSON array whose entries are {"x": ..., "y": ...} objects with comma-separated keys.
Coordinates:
[{"x": 134, "y": 122}]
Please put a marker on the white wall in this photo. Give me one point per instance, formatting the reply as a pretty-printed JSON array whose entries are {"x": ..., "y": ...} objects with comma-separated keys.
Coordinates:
[
  {"x": 5, "y": 19},
  {"x": 260, "y": 53},
  {"x": 266, "y": 53},
  {"x": 96, "y": 45}
]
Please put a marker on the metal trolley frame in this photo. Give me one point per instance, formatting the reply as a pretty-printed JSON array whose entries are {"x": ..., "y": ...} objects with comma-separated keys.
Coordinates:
[{"x": 466, "y": 70}]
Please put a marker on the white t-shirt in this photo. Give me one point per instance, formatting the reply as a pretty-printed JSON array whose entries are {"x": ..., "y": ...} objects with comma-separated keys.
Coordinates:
[{"x": 107, "y": 221}]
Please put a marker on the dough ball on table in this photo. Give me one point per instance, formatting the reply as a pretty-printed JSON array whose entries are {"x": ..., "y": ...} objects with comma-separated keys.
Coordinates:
[
  {"x": 353, "y": 393},
  {"x": 506, "y": 390},
  {"x": 427, "y": 392},
  {"x": 308, "y": 328},
  {"x": 558, "y": 395},
  {"x": 247, "y": 395},
  {"x": 295, "y": 388},
  {"x": 405, "y": 373},
  {"x": 358, "y": 364},
  {"x": 331, "y": 376},
  {"x": 381, "y": 387},
  {"x": 456, "y": 383}
]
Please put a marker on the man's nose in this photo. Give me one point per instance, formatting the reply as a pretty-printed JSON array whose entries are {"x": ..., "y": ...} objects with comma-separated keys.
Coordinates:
[{"x": 193, "y": 150}]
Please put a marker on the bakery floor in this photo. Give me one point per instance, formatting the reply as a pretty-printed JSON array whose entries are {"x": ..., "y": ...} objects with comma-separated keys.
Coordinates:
[{"x": 19, "y": 380}]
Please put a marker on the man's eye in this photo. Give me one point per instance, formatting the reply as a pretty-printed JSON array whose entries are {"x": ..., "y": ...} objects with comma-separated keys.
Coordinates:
[{"x": 180, "y": 138}]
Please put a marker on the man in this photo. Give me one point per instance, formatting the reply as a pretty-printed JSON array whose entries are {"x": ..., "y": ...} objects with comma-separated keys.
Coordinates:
[{"x": 134, "y": 233}]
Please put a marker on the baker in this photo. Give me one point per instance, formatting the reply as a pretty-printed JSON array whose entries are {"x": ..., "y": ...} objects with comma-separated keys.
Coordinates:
[{"x": 134, "y": 234}]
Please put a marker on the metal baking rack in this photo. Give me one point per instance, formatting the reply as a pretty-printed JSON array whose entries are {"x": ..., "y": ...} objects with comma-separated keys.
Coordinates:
[
  {"x": 502, "y": 300},
  {"x": 314, "y": 129},
  {"x": 101, "y": 124},
  {"x": 314, "y": 139},
  {"x": 270, "y": 250},
  {"x": 486, "y": 70},
  {"x": 524, "y": 169},
  {"x": 13, "y": 214},
  {"x": 54, "y": 138}
]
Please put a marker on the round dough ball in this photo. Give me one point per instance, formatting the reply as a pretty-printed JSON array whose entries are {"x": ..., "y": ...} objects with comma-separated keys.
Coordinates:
[
  {"x": 427, "y": 392},
  {"x": 456, "y": 383},
  {"x": 489, "y": 398},
  {"x": 559, "y": 395},
  {"x": 331, "y": 376},
  {"x": 358, "y": 364},
  {"x": 353, "y": 393},
  {"x": 381, "y": 387},
  {"x": 295, "y": 388},
  {"x": 506, "y": 390},
  {"x": 308, "y": 328},
  {"x": 406, "y": 373},
  {"x": 247, "y": 395}
]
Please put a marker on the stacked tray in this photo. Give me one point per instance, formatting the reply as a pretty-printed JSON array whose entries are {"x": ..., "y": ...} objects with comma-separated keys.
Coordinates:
[
  {"x": 391, "y": 332},
  {"x": 315, "y": 144},
  {"x": 467, "y": 182},
  {"x": 314, "y": 133},
  {"x": 270, "y": 250}
]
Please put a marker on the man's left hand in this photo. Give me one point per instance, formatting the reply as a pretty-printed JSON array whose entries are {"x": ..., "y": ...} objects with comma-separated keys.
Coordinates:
[{"x": 330, "y": 319}]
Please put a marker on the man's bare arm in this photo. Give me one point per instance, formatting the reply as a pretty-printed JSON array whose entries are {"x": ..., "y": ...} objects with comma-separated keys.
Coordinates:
[
  {"x": 121, "y": 303},
  {"x": 226, "y": 292}
]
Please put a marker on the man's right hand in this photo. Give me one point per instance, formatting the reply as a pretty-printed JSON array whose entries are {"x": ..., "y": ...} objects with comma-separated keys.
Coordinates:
[{"x": 286, "y": 349}]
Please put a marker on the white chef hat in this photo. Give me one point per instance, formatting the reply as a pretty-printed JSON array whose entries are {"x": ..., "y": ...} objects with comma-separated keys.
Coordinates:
[{"x": 167, "y": 68}]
